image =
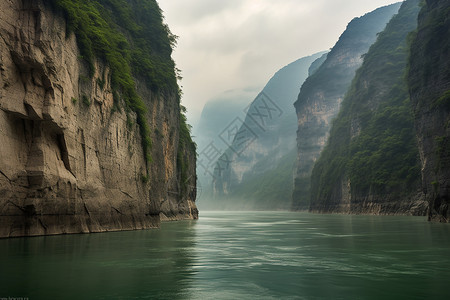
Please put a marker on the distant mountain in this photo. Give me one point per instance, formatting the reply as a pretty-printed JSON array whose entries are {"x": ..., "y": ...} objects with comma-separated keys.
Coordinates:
[
  {"x": 215, "y": 117},
  {"x": 218, "y": 113},
  {"x": 371, "y": 162},
  {"x": 321, "y": 95},
  {"x": 429, "y": 87},
  {"x": 260, "y": 144}
]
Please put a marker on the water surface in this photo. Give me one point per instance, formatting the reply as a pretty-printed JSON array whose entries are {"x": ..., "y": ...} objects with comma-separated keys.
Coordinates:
[{"x": 237, "y": 255}]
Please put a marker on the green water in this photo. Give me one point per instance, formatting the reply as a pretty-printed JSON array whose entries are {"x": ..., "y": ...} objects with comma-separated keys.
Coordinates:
[{"x": 237, "y": 255}]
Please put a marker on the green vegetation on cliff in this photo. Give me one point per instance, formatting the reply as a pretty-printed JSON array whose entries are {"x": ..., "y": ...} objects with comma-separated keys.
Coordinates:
[
  {"x": 131, "y": 38},
  {"x": 186, "y": 144},
  {"x": 320, "y": 96},
  {"x": 429, "y": 87},
  {"x": 372, "y": 141},
  {"x": 429, "y": 66}
]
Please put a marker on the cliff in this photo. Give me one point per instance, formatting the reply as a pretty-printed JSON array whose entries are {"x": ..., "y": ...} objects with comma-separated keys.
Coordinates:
[
  {"x": 255, "y": 169},
  {"x": 89, "y": 142},
  {"x": 429, "y": 87},
  {"x": 370, "y": 163},
  {"x": 321, "y": 95}
]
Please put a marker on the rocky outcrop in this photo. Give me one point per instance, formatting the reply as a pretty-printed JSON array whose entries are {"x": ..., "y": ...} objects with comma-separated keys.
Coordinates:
[
  {"x": 370, "y": 164},
  {"x": 72, "y": 161},
  {"x": 430, "y": 97},
  {"x": 322, "y": 93},
  {"x": 255, "y": 169}
]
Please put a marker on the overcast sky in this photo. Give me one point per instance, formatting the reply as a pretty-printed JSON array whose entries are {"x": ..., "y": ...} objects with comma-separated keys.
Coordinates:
[{"x": 234, "y": 44}]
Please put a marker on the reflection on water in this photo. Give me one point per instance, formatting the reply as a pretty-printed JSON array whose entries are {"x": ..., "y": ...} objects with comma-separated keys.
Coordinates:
[
  {"x": 149, "y": 264},
  {"x": 243, "y": 255}
]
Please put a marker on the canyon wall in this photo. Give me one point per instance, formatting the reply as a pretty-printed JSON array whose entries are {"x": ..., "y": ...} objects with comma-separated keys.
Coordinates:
[
  {"x": 371, "y": 164},
  {"x": 72, "y": 156},
  {"x": 322, "y": 93}
]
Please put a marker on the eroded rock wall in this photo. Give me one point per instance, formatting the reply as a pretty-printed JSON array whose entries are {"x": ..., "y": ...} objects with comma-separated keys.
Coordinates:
[{"x": 70, "y": 160}]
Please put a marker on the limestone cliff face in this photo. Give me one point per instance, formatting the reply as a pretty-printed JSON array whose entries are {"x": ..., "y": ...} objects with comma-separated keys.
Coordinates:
[
  {"x": 430, "y": 97},
  {"x": 70, "y": 161},
  {"x": 321, "y": 95}
]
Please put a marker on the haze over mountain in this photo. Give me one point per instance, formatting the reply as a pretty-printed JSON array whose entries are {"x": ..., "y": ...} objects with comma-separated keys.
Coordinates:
[
  {"x": 321, "y": 95},
  {"x": 262, "y": 141},
  {"x": 219, "y": 112},
  {"x": 297, "y": 156},
  {"x": 235, "y": 44},
  {"x": 371, "y": 161}
]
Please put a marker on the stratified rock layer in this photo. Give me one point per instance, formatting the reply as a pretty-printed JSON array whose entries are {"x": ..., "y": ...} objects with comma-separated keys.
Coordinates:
[
  {"x": 69, "y": 162},
  {"x": 430, "y": 96}
]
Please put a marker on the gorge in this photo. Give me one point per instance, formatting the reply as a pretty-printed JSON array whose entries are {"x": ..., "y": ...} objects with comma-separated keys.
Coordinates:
[
  {"x": 366, "y": 130},
  {"x": 95, "y": 138},
  {"x": 317, "y": 174}
]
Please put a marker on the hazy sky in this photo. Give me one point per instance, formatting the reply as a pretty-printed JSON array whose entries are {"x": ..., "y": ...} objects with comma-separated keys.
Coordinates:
[{"x": 233, "y": 44}]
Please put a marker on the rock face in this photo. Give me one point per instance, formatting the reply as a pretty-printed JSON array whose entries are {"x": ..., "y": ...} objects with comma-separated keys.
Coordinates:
[
  {"x": 255, "y": 169},
  {"x": 321, "y": 95},
  {"x": 70, "y": 162},
  {"x": 430, "y": 97},
  {"x": 371, "y": 164}
]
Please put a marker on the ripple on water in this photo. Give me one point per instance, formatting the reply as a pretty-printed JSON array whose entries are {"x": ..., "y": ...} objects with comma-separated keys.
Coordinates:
[{"x": 242, "y": 255}]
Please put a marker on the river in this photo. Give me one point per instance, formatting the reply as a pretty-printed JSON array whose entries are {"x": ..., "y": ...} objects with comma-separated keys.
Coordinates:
[{"x": 237, "y": 255}]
